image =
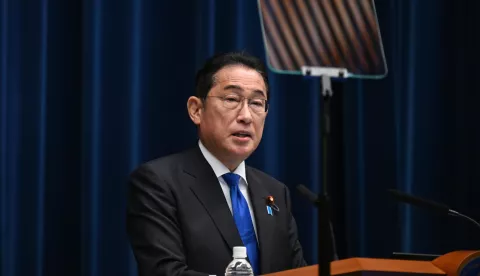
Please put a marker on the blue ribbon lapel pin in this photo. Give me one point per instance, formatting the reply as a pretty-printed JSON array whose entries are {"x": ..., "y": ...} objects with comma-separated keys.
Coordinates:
[{"x": 270, "y": 202}]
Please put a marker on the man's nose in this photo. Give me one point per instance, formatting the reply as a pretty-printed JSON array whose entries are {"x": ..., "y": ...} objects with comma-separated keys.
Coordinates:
[{"x": 244, "y": 114}]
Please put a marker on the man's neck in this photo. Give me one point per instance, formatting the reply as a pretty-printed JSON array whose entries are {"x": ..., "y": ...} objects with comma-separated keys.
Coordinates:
[
  {"x": 218, "y": 166},
  {"x": 227, "y": 162}
]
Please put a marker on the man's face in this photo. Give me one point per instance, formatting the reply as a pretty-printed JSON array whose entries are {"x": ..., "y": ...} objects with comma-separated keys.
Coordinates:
[{"x": 233, "y": 134}]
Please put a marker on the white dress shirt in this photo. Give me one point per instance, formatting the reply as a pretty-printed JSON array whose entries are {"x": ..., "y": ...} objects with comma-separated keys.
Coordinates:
[{"x": 220, "y": 169}]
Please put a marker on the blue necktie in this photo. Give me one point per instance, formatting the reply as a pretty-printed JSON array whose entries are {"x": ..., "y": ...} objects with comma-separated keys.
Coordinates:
[{"x": 243, "y": 220}]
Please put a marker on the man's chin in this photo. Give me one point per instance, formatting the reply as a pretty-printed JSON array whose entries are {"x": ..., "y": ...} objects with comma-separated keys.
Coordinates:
[{"x": 242, "y": 151}]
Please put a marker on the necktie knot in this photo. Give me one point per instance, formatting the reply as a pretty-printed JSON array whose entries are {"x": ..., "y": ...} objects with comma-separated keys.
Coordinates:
[{"x": 232, "y": 179}]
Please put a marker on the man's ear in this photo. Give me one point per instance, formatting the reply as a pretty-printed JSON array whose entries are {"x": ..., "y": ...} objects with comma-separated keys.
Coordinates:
[{"x": 195, "y": 109}]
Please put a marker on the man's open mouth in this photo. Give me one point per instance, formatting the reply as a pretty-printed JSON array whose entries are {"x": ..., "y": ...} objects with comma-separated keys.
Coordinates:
[{"x": 242, "y": 134}]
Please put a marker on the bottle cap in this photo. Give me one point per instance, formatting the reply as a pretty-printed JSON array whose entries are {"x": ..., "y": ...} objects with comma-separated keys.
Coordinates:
[{"x": 239, "y": 252}]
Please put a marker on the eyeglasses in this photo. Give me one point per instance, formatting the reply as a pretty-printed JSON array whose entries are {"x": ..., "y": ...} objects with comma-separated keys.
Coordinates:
[{"x": 232, "y": 101}]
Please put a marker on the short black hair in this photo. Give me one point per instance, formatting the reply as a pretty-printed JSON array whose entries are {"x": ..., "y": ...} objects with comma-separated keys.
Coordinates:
[{"x": 204, "y": 79}]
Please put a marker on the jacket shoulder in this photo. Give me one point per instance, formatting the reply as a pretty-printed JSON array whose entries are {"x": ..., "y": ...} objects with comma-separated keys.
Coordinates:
[
  {"x": 266, "y": 178},
  {"x": 165, "y": 164}
]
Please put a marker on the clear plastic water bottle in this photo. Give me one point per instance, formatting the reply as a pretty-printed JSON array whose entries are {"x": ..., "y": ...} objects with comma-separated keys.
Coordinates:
[{"x": 239, "y": 265}]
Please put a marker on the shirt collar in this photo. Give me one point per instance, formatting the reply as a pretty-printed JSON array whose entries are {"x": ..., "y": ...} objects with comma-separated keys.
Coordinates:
[{"x": 218, "y": 167}]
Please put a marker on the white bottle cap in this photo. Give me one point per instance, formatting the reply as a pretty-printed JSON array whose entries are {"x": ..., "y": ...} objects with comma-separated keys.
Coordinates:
[{"x": 239, "y": 252}]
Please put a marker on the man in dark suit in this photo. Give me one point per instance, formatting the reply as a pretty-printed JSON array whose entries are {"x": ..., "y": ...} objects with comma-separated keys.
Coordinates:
[{"x": 188, "y": 210}]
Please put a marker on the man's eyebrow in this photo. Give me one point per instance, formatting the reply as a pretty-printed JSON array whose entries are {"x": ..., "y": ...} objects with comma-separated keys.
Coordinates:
[
  {"x": 236, "y": 87},
  {"x": 232, "y": 87},
  {"x": 259, "y": 92}
]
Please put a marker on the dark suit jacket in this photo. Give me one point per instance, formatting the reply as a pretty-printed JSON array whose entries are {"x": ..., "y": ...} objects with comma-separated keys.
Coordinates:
[{"x": 179, "y": 223}]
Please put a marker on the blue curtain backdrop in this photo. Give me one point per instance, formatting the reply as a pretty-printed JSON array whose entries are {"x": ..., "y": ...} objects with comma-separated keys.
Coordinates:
[{"x": 90, "y": 89}]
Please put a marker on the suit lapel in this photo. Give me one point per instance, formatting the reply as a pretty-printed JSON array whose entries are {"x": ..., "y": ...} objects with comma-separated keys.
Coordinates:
[
  {"x": 205, "y": 186},
  {"x": 265, "y": 222}
]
